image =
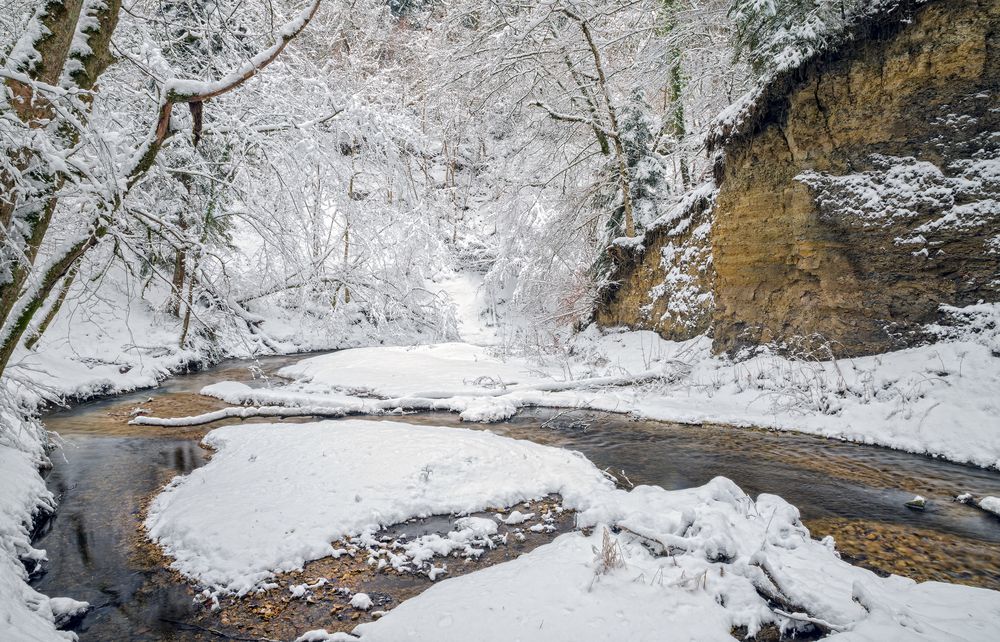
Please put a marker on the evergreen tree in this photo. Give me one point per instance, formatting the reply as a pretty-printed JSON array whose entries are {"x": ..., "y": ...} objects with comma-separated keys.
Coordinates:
[
  {"x": 647, "y": 173},
  {"x": 771, "y": 35}
]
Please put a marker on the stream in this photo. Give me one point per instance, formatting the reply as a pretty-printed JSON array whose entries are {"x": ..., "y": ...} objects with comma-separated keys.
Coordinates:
[{"x": 105, "y": 471}]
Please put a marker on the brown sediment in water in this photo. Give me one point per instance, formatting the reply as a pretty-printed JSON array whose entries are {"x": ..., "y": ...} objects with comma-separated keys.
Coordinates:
[
  {"x": 809, "y": 452},
  {"x": 114, "y": 422},
  {"x": 922, "y": 555}
]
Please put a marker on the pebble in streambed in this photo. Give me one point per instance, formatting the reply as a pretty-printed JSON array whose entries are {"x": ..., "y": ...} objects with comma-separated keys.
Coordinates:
[
  {"x": 920, "y": 554},
  {"x": 325, "y": 593}
]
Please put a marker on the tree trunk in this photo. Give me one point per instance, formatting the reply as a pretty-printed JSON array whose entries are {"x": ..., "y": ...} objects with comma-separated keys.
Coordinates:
[
  {"x": 624, "y": 181},
  {"x": 187, "y": 310},
  {"x": 59, "y": 22},
  {"x": 177, "y": 283},
  {"x": 56, "y": 271}
]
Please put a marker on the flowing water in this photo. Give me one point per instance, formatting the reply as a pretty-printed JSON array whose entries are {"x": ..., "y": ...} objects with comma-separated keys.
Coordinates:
[{"x": 105, "y": 471}]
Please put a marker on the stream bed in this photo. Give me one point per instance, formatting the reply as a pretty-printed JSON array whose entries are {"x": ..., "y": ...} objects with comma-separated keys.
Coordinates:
[{"x": 105, "y": 471}]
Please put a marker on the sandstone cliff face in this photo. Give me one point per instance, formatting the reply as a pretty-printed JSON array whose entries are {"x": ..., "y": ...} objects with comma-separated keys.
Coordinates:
[
  {"x": 865, "y": 194},
  {"x": 666, "y": 284}
]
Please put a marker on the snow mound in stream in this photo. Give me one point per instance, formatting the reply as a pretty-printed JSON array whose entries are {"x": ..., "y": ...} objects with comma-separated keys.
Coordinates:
[
  {"x": 275, "y": 496},
  {"x": 684, "y": 565}
]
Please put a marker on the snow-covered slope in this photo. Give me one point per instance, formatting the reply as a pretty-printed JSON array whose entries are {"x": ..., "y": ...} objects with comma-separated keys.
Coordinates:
[{"x": 25, "y": 614}]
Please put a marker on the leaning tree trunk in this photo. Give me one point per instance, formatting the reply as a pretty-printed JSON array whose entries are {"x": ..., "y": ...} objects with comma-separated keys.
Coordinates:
[
  {"x": 54, "y": 310},
  {"x": 58, "y": 23},
  {"x": 624, "y": 179}
]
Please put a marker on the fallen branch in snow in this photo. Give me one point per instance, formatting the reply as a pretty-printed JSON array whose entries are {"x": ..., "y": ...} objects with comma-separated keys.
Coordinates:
[
  {"x": 803, "y": 617},
  {"x": 778, "y": 594},
  {"x": 239, "y": 412},
  {"x": 596, "y": 382}
]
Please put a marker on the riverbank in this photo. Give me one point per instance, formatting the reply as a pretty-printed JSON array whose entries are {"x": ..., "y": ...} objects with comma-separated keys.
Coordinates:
[
  {"x": 937, "y": 400},
  {"x": 715, "y": 559},
  {"x": 634, "y": 373},
  {"x": 100, "y": 350}
]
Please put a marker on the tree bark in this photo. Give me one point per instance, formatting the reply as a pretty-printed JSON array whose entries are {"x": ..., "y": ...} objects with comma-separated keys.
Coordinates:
[{"x": 60, "y": 21}]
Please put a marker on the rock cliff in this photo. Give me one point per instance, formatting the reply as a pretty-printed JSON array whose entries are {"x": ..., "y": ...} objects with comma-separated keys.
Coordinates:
[{"x": 860, "y": 195}]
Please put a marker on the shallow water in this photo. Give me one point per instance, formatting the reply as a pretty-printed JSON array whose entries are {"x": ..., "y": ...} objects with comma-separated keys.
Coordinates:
[{"x": 105, "y": 470}]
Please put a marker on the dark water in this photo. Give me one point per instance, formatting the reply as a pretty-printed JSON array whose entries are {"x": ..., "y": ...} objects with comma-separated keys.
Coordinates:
[
  {"x": 101, "y": 475},
  {"x": 106, "y": 469}
]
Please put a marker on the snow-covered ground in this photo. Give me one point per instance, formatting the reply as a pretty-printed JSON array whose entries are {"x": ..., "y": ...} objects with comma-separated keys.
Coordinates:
[
  {"x": 285, "y": 493},
  {"x": 562, "y": 592},
  {"x": 652, "y": 564},
  {"x": 472, "y": 309},
  {"x": 939, "y": 399}
]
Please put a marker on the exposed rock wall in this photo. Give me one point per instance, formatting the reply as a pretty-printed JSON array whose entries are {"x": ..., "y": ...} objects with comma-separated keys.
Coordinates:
[
  {"x": 864, "y": 194},
  {"x": 665, "y": 284}
]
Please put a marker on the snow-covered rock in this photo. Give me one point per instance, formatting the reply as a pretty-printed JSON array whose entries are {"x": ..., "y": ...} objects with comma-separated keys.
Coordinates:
[
  {"x": 991, "y": 504},
  {"x": 361, "y": 601},
  {"x": 65, "y": 609}
]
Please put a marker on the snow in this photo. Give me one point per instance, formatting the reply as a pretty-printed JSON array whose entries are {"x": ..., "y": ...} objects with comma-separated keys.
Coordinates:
[
  {"x": 429, "y": 371},
  {"x": 516, "y": 517},
  {"x": 64, "y": 609},
  {"x": 361, "y": 601},
  {"x": 276, "y": 496},
  {"x": 905, "y": 189},
  {"x": 544, "y": 595},
  {"x": 693, "y": 563},
  {"x": 470, "y": 539},
  {"x": 25, "y": 614},
  {"x": 469, "y": 297},
  {"x": 683, "y": 565},
  {"x": 991, "y": 504},
  {"x": 938, "y": 399},
  {"x": 176, "y": 89},
  {"x": 100, "y": 345}
]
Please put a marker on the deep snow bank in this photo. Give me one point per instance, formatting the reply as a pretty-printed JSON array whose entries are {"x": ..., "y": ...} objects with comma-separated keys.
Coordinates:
[
  {"x": 938, "y": 399},
  {"x": 25, "y": 614}
]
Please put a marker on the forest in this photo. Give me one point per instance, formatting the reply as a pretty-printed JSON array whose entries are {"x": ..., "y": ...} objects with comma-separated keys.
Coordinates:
[{"x": 555, "y": 320}]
